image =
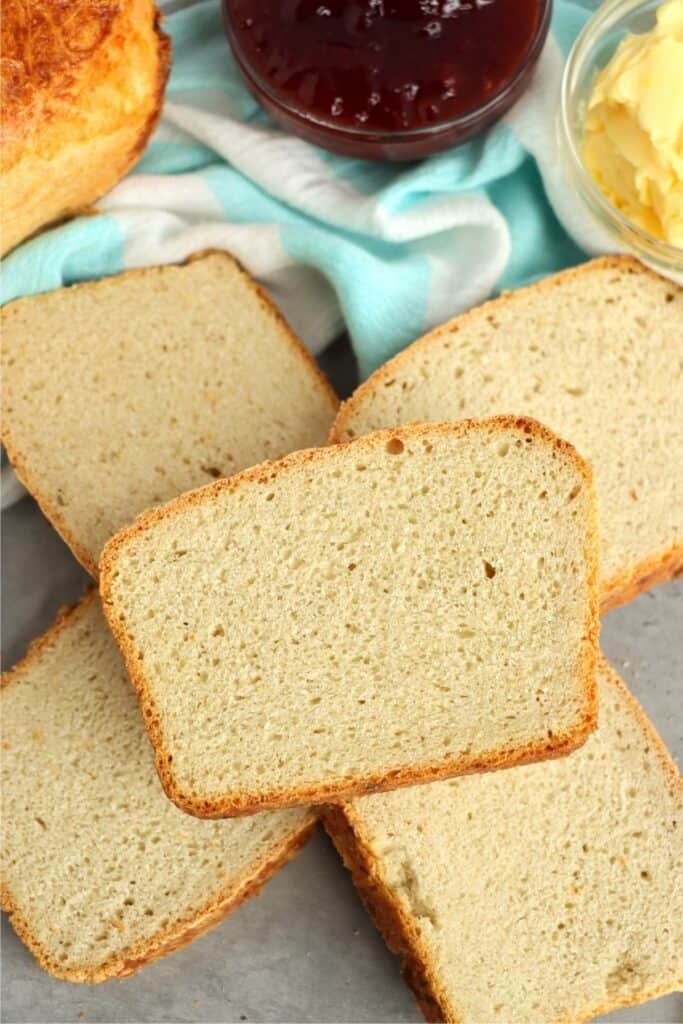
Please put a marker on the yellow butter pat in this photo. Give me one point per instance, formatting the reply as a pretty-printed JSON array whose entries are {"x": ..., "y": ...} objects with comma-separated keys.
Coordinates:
[{"x": 633, "y": 129}]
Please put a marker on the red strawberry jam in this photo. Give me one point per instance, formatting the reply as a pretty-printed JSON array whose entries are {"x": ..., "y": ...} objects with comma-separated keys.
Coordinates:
[{"x": 372, "y": 69}]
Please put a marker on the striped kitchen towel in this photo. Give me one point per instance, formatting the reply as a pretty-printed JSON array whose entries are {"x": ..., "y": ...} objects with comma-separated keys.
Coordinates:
[{"x": 385, "y": 251}]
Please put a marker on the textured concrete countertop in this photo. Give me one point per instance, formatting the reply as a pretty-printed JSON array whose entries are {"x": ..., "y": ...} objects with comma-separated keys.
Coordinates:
[{"x": 305, "y": 950}]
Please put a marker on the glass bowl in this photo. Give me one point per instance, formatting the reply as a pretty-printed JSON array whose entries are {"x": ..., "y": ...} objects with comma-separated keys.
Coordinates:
[
  {"x": 590, "y": 53},
  {"x": 410, "y": 144}
]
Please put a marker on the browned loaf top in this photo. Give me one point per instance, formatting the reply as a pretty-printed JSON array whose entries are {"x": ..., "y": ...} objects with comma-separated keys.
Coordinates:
[{"x": 81, "y": 87}]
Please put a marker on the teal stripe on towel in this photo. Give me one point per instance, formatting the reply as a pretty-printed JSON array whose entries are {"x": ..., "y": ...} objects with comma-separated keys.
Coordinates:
[{"x": 84, "y": 249}]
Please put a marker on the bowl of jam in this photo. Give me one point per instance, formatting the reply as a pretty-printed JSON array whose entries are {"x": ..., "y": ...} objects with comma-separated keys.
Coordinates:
[{"x": 386, "y": 79}]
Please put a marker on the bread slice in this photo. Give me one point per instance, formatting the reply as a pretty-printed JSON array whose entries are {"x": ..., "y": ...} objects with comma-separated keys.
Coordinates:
[
  {"x": 546, "y": 894},
  {"x": 121, "y": 394},
  {"x": 416, "y": 604},
  {"x": 595, "y": 353},
  {"x": 101, "y": 874},
  {"x": 75, "y": 118}
]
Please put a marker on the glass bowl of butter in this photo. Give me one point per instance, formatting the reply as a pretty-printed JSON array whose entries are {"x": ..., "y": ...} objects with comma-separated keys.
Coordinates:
[{"x": 621, "y": 126}]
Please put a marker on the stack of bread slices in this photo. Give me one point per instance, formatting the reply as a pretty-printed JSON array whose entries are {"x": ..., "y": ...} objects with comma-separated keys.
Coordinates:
[{"x": 384, "y": 617}]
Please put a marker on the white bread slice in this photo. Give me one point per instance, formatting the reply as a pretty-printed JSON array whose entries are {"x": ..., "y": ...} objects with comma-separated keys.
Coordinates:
[
  {"x": 596, "y": 354},
  {"x": 121, "y": 394},
  {"x": 101, "y": 874},
  {"x": 419, "y": 603},
  {"x": 550, "y": 893}
]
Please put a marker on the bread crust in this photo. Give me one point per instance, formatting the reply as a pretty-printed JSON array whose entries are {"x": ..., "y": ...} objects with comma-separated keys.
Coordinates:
[
  {"x": 46, "y": 504},
  {"x": 186, "y": 928},
  {"x": 390, "y": 919},
  {"x": 661, "y": 566},
  {"x": 219, "y": 806},
  {"x": 396, "y": 926},
  {"x": 76, "y": 116}
]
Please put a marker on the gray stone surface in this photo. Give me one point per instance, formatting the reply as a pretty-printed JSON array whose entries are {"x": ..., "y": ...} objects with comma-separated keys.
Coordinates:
[{"x": 304, "y": 950}]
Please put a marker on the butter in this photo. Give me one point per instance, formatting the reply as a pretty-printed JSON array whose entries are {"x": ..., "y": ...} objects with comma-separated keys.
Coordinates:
[{"x": 633, "y": 127}]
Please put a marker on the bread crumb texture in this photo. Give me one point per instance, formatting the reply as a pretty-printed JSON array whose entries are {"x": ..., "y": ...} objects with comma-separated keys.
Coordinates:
[
  {"x": 122, "y": 394},
  {"x": 100, "y": 872},
  {"x": 547, "y": 893},
  {"x": 596, "y": 354},
  {"x": 420, "y": 601}
]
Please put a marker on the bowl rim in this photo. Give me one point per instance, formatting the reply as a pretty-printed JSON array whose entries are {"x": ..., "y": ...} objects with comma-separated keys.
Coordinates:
[
  {"x": 464, "y": 120},
  {"x": 606, "y": 17}
]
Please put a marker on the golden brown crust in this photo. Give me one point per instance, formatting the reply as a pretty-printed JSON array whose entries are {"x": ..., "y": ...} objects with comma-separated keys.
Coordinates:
[
  {"x": 82, "y": 85},
  {"x": 36, "y": 647},
  {"x": 47, "y": 506},
  {"x": 176, "y": 935},
  {"x": 179, "y": 933},
  {"x": 387, "y": 913},
  {"x": 250, "y": 803},
  {"x": 656, "y": 742},
  {"x": 44, "y": 48},
  {"x": 293, "y": 340},
  {"x": 661, "y": 566},
  {"x": 218, "y": 806},
  {"x": 355, "y": 848}
]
